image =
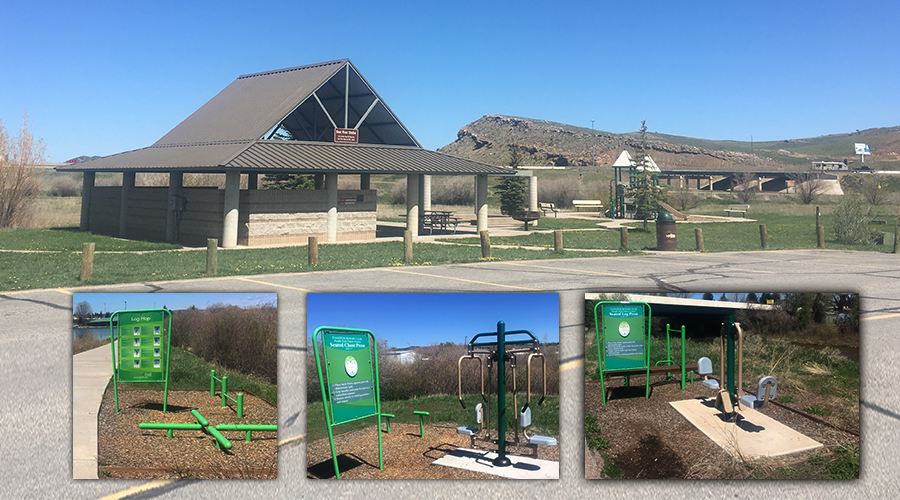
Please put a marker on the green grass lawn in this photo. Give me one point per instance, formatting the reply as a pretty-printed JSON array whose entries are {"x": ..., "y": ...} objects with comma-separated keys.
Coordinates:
[
  {"x": 785, "y": 232},
  {"x": 442, "y": 409},
  {"x": 22, "y": 271},
  {"x": 187, "y": 371},
  {"x": 65, "y": 239}
]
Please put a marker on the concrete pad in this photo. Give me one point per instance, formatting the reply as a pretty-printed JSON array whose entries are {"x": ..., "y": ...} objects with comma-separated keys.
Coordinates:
[
  {"x": 91, "y": 371},
  {"x": 756, "y": 436},
  {"x": 481, "y": 461}
]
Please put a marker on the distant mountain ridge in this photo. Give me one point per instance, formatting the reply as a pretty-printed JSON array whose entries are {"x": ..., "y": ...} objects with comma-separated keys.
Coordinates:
[{"x": 555, "y": 144}]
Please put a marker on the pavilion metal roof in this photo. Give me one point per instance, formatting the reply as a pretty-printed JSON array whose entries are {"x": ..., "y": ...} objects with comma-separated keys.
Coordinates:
[
  {"x": 290, "y": 157},
  {"x": 234, "y": 130}
]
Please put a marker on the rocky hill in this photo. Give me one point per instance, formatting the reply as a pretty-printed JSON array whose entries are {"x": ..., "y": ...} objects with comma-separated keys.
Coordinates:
[{"x": 554, "y": 144}]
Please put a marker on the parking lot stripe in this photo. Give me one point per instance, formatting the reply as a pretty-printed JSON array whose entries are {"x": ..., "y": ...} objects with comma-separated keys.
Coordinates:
[{"x": 459, "y": 279}]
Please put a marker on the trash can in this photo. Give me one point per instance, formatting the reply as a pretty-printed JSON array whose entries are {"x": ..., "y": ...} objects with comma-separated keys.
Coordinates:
[{"x": 665, "y": 232}]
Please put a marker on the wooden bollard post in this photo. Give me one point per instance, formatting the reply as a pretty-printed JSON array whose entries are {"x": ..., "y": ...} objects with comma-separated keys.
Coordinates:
[
  {"x": 820, "y": 236},
  {"x": 313, "y": 249},
  {"x": 212, "y": 259},
  {"x": 87, "y": 261},
  {"x": 407, "y": 246},
  {"x": 698, "y": 235},
  {"x": 623, "y": 237},
  {"x": 896, "y": 230},
  {"x": 763, "y": 237},
  {"x": 485, "y": 244},
  {"x": 557, "y": 240}
]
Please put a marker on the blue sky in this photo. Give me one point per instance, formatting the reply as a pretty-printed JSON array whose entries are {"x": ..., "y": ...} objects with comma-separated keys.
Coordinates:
[
  {"x": 99, "y": 78},
  {"x": 422, "y": 319},
  {"x": 111, "y": 302}
]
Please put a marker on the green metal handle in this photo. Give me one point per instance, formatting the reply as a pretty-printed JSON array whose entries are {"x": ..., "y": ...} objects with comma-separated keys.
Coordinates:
[{"x": 192, "y": 427}]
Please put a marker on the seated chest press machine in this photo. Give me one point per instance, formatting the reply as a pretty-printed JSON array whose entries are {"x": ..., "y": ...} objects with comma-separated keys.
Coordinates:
[{"x": 494, "y": 347}]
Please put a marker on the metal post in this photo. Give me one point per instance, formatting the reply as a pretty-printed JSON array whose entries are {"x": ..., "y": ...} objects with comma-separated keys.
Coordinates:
[
  {"x": 729, "y": 333},
  {"x": 212, "y": 383},
  {"x": 240, "y": 405},
  {"x": 501, "y": 460},
  {"x": 224, "y": 389}
]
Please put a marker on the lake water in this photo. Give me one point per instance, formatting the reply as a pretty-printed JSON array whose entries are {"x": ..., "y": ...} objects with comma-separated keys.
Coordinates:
[{"x": 98, "y": 333}]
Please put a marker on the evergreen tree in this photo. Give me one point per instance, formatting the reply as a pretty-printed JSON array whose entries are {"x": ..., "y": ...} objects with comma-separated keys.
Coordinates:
[
  {"x": 512, "y": 188},
  {"x": 751, "y": 298},
  {"x": 645, "y": 190},
  {"x": 708, "y": 296},
  {"x": 289, "y": 181}
]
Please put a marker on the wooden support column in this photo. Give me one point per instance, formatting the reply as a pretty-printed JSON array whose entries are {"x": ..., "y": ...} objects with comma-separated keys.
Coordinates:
[
  {"x": 252, "y": 181},
  {"x": 127, "y": 190},
  {"x": 365, "y": 182},
  {"x": 331, "y": 217},
  {"x": 230, "y": 209},
  {"x": 174, "y": 205},
  {"x": 87, "y": 191}
]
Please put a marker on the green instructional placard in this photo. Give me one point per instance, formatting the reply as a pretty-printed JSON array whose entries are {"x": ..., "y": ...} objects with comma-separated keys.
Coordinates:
[
  {"x": 350, "y": 360},
  {"x": 624, "y": 336},
  {"x": 142, "y": 341},
  {"x": 351, "y": 384}
]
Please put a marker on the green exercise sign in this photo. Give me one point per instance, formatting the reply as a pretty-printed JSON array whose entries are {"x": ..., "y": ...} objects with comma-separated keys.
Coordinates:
[
  {"x": 141, "y": 349},
  {"x": 141, "y": 341},
  {"x": 624, "y": 336},
  {"x": 348, "y": 362},
  {"x": 623, "y": 340},
  {"x": 349, "y": 382}
]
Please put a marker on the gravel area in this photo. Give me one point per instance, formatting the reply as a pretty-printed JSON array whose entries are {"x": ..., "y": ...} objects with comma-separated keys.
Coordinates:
[
  {"x": 406, "y": 455},
  {"x": 649, "y": 439},
  {"x": 127, "y": 452}
]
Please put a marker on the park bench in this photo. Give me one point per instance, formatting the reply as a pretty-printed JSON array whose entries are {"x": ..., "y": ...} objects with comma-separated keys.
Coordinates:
[
  {"x": 741, "y": 209},
  {"x": 548, "y": 207},
  {"x": 579, "y": 204},
  {"x": 526, "y": 217}
]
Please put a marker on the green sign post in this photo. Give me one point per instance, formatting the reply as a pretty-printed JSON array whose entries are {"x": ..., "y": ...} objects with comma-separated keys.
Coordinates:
[
  {"x": 350, "y": 384},
  {"x": 623, "y": 339},
  {"x": 141, "y": 348}
]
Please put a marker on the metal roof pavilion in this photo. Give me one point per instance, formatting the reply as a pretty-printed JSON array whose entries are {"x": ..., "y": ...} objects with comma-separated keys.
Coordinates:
[{"x": 284, "y": 121}]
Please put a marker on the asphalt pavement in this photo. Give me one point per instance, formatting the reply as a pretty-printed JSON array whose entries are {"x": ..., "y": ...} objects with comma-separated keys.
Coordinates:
[{"x": 37, "y": 415}]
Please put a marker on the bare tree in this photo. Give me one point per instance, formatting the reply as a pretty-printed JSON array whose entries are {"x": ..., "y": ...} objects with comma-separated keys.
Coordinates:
[
  {"x": 83, "y": 312},
  {"x": 745, "y": 186},
  {"x": 870, "y": 186},
  {"x": 19, "y": 184},
  {"x": 684, "y": 198},
  {"x": 808, "y": 185}
]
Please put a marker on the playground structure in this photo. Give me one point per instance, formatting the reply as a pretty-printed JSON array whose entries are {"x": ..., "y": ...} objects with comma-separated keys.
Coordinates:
[
  {"x": 350, "y": 358},
  {"x": 494, "y": 347},
  {"x": 625, "y": 175},
  {"x": 143, "y": 348},
  {"x": 728, "y": 400},
  {"x": 623, "y": 345},
  {"x": 238, "y": 401},
  {"x": 211, "y": 430}
]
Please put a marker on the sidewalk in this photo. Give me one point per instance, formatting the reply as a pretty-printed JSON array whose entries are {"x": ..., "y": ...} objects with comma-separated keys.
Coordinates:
[{"x": 91, "y": 371}]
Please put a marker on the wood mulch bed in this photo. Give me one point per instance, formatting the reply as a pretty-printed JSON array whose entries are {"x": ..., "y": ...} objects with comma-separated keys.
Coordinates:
[
  {"x": 406, "y": 455},
  {"x": 649, "y": 439},
  {"x": 127, "y": 452}
]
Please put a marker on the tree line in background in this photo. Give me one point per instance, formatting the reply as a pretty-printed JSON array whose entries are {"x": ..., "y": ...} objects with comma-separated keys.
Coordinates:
[
  {"x": 19, "y": 184},
  {"x": 240, "y": 339},
  {"x": 434, "y": 372}
]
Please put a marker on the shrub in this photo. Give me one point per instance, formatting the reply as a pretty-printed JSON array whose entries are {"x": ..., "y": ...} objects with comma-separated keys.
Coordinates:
[
  {"x": 65, "y": 186},
  {"x": 241, "y": 339},
  {"x": 851, "y": 221},
  {"x": 455, "y": 190},
  {"x": 598, "y": 443},
  {"x": 398, "y": 192},
  {"x": 560, "y": 191}
]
